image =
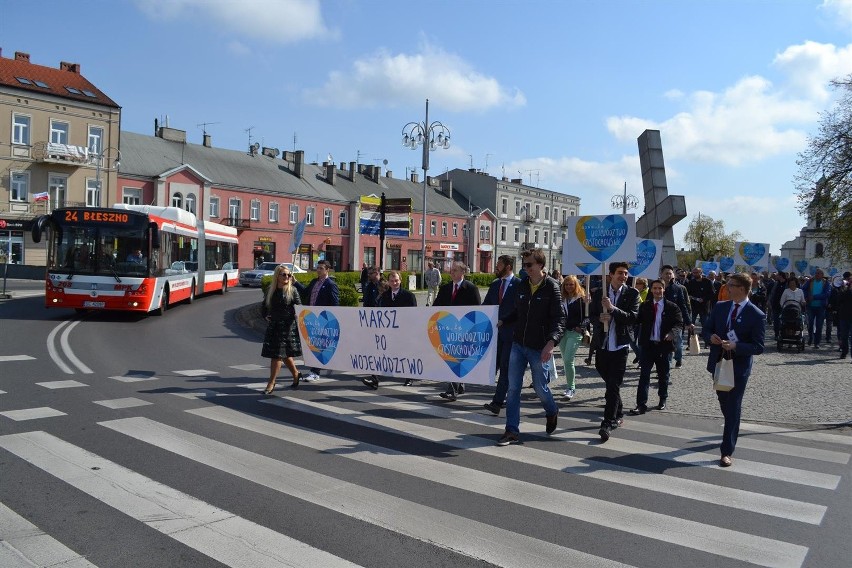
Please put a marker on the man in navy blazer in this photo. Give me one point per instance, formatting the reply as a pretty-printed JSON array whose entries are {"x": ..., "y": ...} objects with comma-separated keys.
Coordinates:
[
  {"x": 457, "y": 292},
  {"x": 737, "y": 327},
  {"x": 501, "y": 293},
  {"x": 322, "y": 291}
]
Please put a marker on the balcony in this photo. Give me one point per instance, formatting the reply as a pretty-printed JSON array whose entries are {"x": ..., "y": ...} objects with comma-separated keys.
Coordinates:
[
  {"x": 66, "y": 154},
  {"x": 527, "y": 218},
  {"x": 239, "y": 224},
  {"x": 564, "y": 223}
]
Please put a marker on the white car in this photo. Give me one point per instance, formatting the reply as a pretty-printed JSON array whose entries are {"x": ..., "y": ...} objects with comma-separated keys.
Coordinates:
[{"x": 254, "y": 276}]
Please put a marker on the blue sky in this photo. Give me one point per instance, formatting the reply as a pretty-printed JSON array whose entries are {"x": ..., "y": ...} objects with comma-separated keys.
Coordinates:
[{"x": 558, "y": 91}]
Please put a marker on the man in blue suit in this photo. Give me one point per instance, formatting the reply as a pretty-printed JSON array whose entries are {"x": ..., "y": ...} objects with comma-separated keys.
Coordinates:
[
  {"x": 737, "y": 327},
  {"x": 501, "y": 293}
]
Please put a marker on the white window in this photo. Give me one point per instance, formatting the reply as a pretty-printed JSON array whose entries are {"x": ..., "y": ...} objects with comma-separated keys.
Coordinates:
[
  {"x": 254, "y": 210},
  {"x": 421, "y": 227},
  {"x": 537, "y": 210},
  {"x": 326, "y": 217},
  {"x": 503, "y": 233},
  {"x": 545, "y": 237},
  {"x": 131, "y": 196},
  {"x": 273, "y": 212},
  {"x": 517, "y": 234},
  {"x": 443, "y": 228},
  {"x": 504, "y": 205},
  {"x": 536, "y": 236},
  {"x": 294, "y": 213},
  {"x": 309, "y": 215},
  {"x": 58, "y": 132},
  {"x": 20, "y": 129},
  {"x": 214, "y": 207},
  {"x": 93, "y": 193},
  {"x": 517, "y": 207},
  {"x": 455, "y": 229},
  {"x": 527, "y": 236},
  {"x": 482, "y": 232},
  {"x": 56, "y": 187},
  {"x": 20, "y": 186},
  {"x": 96, "y": 139},
  {"x": 433, "y": 228},
  {"x": 235, "y": 208},
  {"x": 343, "y": 219},
  {"x": 177, "y": 200},
  {"x": 546, "y": 213},
  {"x": 189, "y": 203}
]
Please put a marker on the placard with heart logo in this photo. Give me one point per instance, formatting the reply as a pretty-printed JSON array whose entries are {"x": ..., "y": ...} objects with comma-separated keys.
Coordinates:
[
  {"x": 646, "y": 252},
  {"x": 832, "y": 271},
  {"x": 782, "y": 263},
  {"x": 751, "y": 253},
  {"x": 726, "y": 263},
  {"x": 801, "y": 265},
  {"x": 602, "y": 237},
  {"x": 321, "y": 333},
  {"x": 461, "y": 343},
  {"x": 587, "y": 267},
  {"x": 708, "y": 267}
]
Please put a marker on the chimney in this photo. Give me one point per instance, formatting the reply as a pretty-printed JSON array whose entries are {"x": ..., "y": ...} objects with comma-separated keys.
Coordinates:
[
  {"x": 352, "y": 167},
  {"x": 447, "y": 187},
  {"x": 376, "y": 173},
  {"x": 299, "y": 165},
  {"x": 415, "y": 178},
  {"x": 270, "y": 152},
  {"x": 21, "y": 56},
  {"x": 342, "y": 166},
  {"x": 330, "y": 173},
  {"x": 65, "y": 66},
  {"x": 172, "y": 134},
  {"x": 208, "y": 142},
  {"x": 519, "y": 181}
]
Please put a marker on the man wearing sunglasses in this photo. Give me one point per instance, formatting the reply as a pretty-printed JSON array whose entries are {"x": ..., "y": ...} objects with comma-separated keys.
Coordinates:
[{"x": 539, "y": 325}]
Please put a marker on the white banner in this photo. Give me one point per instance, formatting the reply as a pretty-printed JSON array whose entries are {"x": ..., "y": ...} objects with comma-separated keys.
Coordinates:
[
  {"x": 649, "y": 258},
  {"x": 751, "y": 256},
  {"x": 457, "y": 344},
  {"x": 782, "y": 263},
  {"x": 595, "y": 239}
]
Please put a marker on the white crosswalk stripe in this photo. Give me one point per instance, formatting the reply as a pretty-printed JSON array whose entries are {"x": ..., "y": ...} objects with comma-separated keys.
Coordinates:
[{"x": 770, "y": 506}]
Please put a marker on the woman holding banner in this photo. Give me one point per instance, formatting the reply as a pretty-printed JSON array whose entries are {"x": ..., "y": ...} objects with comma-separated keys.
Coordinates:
[{"x": 281, "y": 342}]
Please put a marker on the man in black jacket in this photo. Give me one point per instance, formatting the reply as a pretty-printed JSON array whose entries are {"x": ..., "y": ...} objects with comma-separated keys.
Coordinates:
[
  {"x": 613, "y": 314},
  {"x": 457, "y": 292},
  {"x": 395, "y": 296},
  {"x": 677, "y": 294},
  {"x": 658, "y": 320},
  {"x": 700, "y": 295},
  {"x": 539, "y": 325}
]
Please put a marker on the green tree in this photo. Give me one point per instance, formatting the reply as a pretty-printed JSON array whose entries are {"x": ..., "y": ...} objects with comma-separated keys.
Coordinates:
[
  {"x": 824, "y": 180},
  {"x": 706, "y": 238}
]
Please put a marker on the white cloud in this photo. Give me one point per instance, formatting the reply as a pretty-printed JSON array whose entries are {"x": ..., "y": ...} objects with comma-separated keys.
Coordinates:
[
  {"x": 384, "y": 79},
  {"x": 744, "y": 123},
  {"x": 840, "y": 8},
  {"x": 273, "y": 21},
  {"x": 811, "y": 65}
]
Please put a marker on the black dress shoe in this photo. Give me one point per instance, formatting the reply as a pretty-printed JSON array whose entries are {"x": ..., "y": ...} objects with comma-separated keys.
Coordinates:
[
  {"x": 492, "y": 408},
  {"x": 678, "y": 364},
  {"x": 662, "y": 405},
  {"x": 451, "y": 396},
  {"x": 551, "y": 422},
  {"x": 407, "y": 383},
  {"x": 604, "y": 433},
  {"x": 638, "y": 410}
]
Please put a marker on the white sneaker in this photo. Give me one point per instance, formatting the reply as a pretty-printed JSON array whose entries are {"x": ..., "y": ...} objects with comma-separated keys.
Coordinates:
[
  {"x": 311, "y": 377},
  {"x": 569, "y": 394}
]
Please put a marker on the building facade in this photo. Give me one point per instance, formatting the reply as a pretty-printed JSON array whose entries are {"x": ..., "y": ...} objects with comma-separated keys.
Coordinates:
[
  {"x": 59, "y": 146},
  {"x": 526, "y": 217}
]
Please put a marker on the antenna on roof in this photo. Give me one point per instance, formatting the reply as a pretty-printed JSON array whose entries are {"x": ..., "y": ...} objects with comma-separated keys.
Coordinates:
[
  {"x": 204, "y": 126},
  {"x": 249, "y": 129},
  {"x": 294, "y": 141}
]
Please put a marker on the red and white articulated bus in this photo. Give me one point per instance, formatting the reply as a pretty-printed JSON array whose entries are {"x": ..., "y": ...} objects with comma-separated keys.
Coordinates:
[{"x": 138, "y": 258}]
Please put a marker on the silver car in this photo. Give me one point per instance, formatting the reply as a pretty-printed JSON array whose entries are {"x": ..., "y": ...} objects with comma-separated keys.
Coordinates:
[{"x": 252, "y": 277}]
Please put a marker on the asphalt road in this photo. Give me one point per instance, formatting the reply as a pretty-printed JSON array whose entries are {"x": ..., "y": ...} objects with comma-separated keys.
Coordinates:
[{"x": 135, "y": 441}]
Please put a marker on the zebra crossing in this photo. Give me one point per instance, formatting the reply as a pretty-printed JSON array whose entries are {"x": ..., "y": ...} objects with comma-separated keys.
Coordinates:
[{"x": 427, "y": 476}]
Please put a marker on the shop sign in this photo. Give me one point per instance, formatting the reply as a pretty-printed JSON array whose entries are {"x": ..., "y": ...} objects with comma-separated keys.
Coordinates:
[
  {"x": 486, "y": 248},
  {"x": 11, "y": 224},
  {"x": 265, "y": 239},
  {"x": 448, "y": 246}
]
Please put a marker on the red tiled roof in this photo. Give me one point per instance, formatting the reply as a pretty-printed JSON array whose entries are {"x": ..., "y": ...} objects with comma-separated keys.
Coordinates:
[{"x": 57, "y": 80}]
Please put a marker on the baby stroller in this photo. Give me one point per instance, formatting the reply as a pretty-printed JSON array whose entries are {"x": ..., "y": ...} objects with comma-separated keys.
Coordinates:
[{"x": 792, "y": 327}]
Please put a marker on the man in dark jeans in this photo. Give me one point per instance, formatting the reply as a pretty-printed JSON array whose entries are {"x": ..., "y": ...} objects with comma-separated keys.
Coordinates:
[
  {"x": 677, "y": 294},
  {"x": 775, "y": 301},
  {"x": 501, "y": 293},
  {"x": 613, "y": 312}
]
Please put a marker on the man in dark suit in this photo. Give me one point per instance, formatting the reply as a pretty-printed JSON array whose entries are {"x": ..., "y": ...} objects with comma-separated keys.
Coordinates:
[
  {"x": 322, "y": 291},
  {"x": 457, "y": 292},
  {"x": 394, "y": 297},
  {"x": 736, "y": 327},
  {"x": 613, "y": 308},
  {"x": 501, "y": 293},
  {"x": 659, "y": 320},
  {"x": 676, "y": 293}
]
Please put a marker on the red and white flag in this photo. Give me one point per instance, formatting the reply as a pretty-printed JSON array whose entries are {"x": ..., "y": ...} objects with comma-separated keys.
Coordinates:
[{"x": 43, "y": 196}]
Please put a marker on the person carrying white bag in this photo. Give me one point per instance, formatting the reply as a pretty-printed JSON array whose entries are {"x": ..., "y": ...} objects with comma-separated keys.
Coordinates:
[{"x": 735, "y": 331}]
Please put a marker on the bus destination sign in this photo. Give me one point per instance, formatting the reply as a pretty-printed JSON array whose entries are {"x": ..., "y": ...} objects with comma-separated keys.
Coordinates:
[{"x": 96, "y": 217}]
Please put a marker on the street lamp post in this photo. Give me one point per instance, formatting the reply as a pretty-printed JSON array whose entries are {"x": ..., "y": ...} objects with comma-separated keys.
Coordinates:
[
  {"x": 624, "y": 202},
  {"x": 431, "y": 136},
  {"x": 99, "y": 158}
]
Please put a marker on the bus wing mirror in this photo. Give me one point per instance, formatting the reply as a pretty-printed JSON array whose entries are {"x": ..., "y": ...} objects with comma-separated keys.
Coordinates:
[
  {"x": 155, "y": 235},
  {"x": 39, "y": 226}
]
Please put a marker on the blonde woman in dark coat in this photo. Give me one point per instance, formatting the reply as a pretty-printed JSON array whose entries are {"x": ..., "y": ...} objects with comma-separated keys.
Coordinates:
[{"x": 281, "y": 342}]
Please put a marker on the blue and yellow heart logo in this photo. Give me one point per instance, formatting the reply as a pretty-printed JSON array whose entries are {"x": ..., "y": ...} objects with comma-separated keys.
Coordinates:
[
  {"x": 601, "y": 237},
  {"x": 322, "y": 333},
  {"x": 461, "y": 343}
]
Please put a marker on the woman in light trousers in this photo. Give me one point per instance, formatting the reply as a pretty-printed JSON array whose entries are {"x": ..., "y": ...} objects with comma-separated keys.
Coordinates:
[{"x": 573, "y": 299}]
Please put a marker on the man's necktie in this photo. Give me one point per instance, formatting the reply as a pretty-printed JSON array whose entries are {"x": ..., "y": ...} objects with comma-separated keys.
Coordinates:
[
  {"x": 455, "y": 289},
  {"x": 733, "y": 316},
  {"x": 501, "y": 292}
]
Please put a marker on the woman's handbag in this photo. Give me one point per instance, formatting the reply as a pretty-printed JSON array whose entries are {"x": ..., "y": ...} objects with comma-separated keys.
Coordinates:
[
  {"x": 723, "y": 374},
  {"x": 694, "y": 344},
  {"x": 587, "y": 337}
]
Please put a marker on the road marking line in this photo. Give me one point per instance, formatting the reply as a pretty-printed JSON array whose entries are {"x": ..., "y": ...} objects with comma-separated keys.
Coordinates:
[
  {"x": 32, "y": 413},
  {"x": 118, "y": 403},
  {"x": 217, "y": 533},
  {"x": 24, "y": 545},
  {"x": 6, "y": 358},
  {"x": 195, "y": 372},
  {"x": 66, "y": 347},
  {"x": 62, "y": 384},
  {"x": 54, "y": 354},
  {"x": 447, "y": 530},
  {"x": 133, "y": 378}
]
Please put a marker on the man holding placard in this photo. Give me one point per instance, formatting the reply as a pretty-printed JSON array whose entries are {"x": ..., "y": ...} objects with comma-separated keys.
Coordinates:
[{"x": 613, "y": 312}]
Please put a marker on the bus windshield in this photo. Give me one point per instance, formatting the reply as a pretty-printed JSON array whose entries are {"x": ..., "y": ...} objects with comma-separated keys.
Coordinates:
[{"x": 103, "y": 249}]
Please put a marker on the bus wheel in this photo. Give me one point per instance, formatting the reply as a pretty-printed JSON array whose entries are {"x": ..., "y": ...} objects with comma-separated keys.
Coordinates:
[
  {"x": 164, "y": 303},
  {"x": 191, "y": 293},
  {"x": 224, "y": 289}
]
